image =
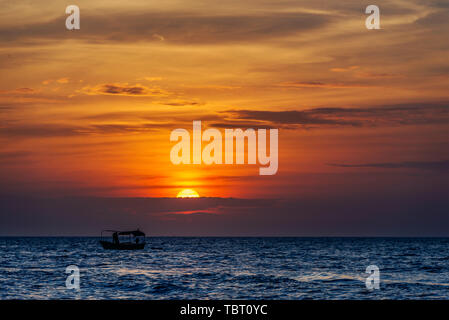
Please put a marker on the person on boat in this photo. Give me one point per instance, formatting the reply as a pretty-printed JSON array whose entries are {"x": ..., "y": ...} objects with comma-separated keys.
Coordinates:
[{"x": 115, "y": 238}]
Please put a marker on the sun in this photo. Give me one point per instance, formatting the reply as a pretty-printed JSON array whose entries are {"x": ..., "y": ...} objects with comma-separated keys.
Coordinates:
[{"x": 188, "y": 193}]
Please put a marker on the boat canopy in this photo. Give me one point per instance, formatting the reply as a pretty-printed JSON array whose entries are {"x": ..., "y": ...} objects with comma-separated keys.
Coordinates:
[{"x": 135, "y": 233}]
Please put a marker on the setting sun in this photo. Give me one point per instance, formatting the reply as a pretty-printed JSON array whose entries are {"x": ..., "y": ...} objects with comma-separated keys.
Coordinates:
[{"x": 188, "y": 193}]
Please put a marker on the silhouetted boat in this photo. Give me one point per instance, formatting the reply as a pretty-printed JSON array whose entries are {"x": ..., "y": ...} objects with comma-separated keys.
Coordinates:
[{"x": 124, "y": 240}]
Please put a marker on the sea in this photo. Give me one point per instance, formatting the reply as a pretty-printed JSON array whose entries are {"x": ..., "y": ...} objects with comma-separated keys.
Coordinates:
[{"x": 226, "y": 268}]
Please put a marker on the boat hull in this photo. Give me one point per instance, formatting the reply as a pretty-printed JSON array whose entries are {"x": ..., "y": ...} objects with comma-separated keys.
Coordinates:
[{"x": 122, "y": 246}]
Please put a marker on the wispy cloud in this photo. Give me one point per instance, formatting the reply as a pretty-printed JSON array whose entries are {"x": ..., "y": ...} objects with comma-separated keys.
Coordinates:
[
  {"x": 176, "y": 27},
  {"x": 18, "y": 91},
  {"x": 322, "y": 85},
  {"x": 213, "y": 86},
  {"x": 387, "y": 115},
  {"x": 426, "y": 165},
  {"x": 65, "y": 130},
  {"x": 180, "y": 103},
  {"x": 124, "y": 89}
]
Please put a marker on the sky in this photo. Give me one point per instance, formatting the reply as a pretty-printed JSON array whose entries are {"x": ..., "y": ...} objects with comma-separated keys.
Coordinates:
[{"x": 86, "y": 116}]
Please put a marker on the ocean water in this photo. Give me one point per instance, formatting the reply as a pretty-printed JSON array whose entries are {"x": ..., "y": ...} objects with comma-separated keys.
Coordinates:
[{"x": 226, "y": 268}]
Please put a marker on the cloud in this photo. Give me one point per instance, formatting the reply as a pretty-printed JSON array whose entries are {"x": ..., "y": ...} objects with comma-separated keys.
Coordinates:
[
  {"x": 242, "y": 125},
  {"x": 124, "y": 89},
  {"x": 141, "y": 121},
  {"x": 213, "y": 86},
  {"x": 425, "y": 165},
  {"x": 321, "y": 85},
  {"x": 180, "y": 103},
  {"x": 158, "y": 37},
  {"x": 356, "y": 72},
  {"x": 24, "y": 91},
  {"x": 172, "y": 117},
  {"x": 435, "y": 19},
  {"x": 273, "y": 118},
  {"x": 175, "y": 27},
  {"x": 42, "y": 130},
  {"x": 374, "y": 75},
  {"x": 61, "y": 130},
  {"x": 387, "y": 115}
]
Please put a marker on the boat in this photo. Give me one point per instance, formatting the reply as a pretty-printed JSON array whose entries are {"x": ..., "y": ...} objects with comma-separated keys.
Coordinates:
[{"x": 123, "y": 240}]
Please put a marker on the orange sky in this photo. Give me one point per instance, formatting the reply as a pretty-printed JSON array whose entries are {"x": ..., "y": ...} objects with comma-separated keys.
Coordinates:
[{"x": 89, "y": 112}]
